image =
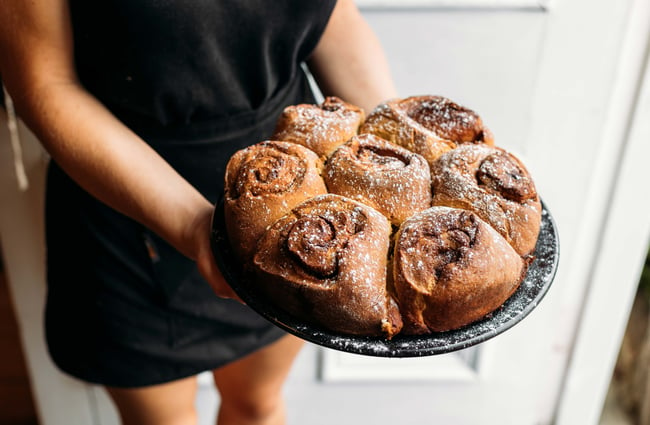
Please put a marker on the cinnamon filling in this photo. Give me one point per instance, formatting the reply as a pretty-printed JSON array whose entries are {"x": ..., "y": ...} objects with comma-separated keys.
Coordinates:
[
  {"x": 448, "y": 119},
  {"x": 384, "y": 158},
  {"x": 427, "y": 249},
  {"x": 498, "y": 173},
  {"x": 269, "y": 171},
  {"x": 315, "y": 240},
  {"x": 332, "y": 104},
  {"x": 312, "y": 240}
]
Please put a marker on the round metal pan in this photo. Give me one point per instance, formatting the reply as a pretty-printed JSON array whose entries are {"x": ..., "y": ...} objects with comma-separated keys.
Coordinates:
[{"x": 537, "y": 282}]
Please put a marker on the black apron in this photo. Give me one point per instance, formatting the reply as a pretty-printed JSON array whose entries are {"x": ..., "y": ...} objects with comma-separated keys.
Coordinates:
[{"x": 123, "y": 307}]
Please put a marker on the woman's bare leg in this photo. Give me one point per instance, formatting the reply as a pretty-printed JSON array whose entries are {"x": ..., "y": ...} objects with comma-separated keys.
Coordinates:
[
  {"x": 165, "y": 404},
  {"x": 251, "y": 387}
]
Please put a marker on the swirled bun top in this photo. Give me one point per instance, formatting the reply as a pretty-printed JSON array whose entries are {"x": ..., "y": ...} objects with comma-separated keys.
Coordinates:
[
  {"x": 428, "y": 125},
  {"x": 446, "y": 118},
  {"x": 450, "y": 269},
  {"x": 388, "y": 177},
  {"x": 494, "y": 184},
  {"x": 262, "y": 183},
  {"x": 325, "y": 262},
  {"x": 321, "y": 128}
]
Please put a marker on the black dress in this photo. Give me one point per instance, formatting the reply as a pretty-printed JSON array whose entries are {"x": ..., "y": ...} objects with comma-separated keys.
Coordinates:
[{"x": 197, "y": 80}]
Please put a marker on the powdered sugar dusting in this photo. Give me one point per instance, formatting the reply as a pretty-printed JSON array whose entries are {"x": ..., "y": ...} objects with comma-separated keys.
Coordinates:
[
  {"x": 384, "y": 178},
  {"x": 455, "y": 183},
  {"x": 320, "y": 128},
  {"x": 530, "y": 293},
  {"x": 331, "y": 249},
  {"x": 447, "y": 119},
  {"x": 387, "y": 177}
]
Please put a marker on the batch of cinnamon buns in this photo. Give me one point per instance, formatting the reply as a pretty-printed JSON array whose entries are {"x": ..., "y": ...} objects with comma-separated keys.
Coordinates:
[{"x": 408, "y": 220}]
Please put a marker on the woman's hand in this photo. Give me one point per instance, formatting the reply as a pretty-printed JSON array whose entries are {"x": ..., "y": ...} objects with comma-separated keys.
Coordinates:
[{"x": 199, "y": 234}]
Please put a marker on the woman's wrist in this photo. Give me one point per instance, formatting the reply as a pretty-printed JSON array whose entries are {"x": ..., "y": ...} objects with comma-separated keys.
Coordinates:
[{"x": 195, "y": 230}]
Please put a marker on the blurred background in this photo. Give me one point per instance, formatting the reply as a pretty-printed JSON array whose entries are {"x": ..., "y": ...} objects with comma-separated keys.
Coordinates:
[{"x": 563, "y": 84}]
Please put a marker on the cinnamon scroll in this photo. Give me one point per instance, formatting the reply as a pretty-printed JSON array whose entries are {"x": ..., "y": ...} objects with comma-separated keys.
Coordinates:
[
  {"x": 391, "y": 179},
  {"x": 412, "y": 221},
  {"x": 427, "y": 125},
  {"x": 264, "y": 182},
  {"x": 494, "y": 184},
  {"x": 321, "y": 128},
  {"x": 326, "y": 263},
  {"x": 450, "y": 269}
]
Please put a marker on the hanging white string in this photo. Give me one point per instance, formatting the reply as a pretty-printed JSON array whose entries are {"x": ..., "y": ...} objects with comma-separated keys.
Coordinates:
[{"x": 16, "y": 147}]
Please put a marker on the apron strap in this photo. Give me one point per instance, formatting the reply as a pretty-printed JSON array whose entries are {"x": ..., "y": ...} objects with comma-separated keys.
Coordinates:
[{"x": 16, "y": 147}]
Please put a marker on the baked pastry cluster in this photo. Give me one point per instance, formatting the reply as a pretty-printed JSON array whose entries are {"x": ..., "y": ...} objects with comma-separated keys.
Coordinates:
[{"x": 408, "y": 220}]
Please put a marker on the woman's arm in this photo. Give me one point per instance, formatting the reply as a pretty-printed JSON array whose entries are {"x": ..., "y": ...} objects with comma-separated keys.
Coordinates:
[
  {"x": 88, "y": 142},
  {"x": 349, "y": 61}
]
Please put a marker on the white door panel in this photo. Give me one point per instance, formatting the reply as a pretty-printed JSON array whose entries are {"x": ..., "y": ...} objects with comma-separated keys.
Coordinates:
[{"x": 486, "y": 61}]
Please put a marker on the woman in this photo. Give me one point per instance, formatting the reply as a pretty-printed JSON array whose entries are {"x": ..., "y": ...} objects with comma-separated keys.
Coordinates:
[{"x": 140, "y": 105}]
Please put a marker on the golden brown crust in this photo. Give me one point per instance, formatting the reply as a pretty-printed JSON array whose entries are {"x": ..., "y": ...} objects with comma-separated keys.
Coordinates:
[
  {"x": 450, "y": 269},
  {"x": 427, "y": 125},
  {"x": 389, "y": 178},
  {"x": 264, "y": 182},
  {"x": 494, "y": 184},
  {"x": 321, "y": 128},
  {"x": 325, "y": 263},
  {"x": 331, "y": 260}
]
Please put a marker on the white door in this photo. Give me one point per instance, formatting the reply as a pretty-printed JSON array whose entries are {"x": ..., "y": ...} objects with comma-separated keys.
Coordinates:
[{"x": 559, "y": 83}]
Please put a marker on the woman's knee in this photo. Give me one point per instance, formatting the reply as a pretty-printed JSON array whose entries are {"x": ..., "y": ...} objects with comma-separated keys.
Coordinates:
[
  {"x": 251, "y": 387},
  {"x": 247, "y": 409},
  {"x": 166, "y": 404}
]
